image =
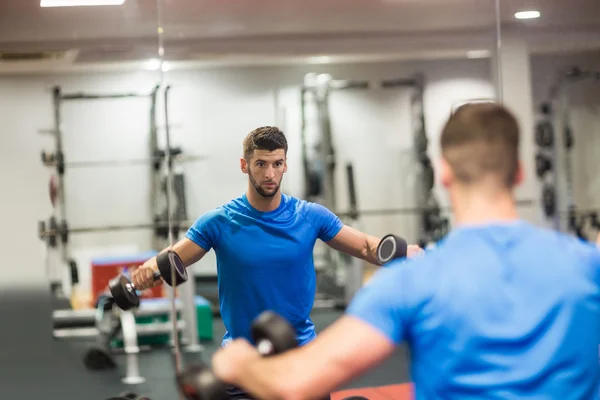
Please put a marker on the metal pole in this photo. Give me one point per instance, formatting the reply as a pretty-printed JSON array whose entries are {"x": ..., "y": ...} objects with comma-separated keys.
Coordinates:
[
  {"x": 56, "y": 100},
  {"x": 84, "y": 96},
  {"x": 499, "y": 75},
  {"x": 187, "y": 288}
]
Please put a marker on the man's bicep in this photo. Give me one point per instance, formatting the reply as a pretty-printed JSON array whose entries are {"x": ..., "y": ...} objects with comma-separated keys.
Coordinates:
[{"x": 189, "y": 251}]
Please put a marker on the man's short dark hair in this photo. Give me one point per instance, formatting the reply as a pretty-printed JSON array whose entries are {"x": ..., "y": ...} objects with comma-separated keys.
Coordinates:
[
  {"x": 482, "y": 140},
  {"x": 268, "y": 138}
]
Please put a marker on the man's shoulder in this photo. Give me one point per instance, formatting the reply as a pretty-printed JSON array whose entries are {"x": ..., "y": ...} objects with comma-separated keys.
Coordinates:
[
  {"x": 304, "y": 207},
  {"x": 223, "y": 212}
]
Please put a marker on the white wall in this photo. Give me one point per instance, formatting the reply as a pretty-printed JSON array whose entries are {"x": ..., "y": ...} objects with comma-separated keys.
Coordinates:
[{"x": 212, "y": 110}]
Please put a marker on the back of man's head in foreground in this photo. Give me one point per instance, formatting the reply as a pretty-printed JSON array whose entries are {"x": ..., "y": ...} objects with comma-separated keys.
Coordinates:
[{"x": 480, "y": 146}]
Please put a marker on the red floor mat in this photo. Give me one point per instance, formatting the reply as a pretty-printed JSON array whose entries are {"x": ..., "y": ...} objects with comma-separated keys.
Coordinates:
[{"x": 403, "y": 391}]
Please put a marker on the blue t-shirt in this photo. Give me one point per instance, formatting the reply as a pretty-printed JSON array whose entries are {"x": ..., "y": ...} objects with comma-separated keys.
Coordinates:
[
  {"x": 265, "y": 260},
  {"x": 503, "y": 311}
]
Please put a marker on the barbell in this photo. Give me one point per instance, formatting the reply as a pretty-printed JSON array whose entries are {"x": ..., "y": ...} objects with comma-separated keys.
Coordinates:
[
  {"x": 54, "y": 230},
  {"x": 57, "y": 160}
]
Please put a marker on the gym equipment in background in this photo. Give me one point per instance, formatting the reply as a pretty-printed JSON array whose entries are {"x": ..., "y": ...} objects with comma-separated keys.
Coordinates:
[
  {"x": 319, "y": 161},
  {"x": 554, "y": 162},
  {"x": 57, "y": 159},
  {"x": 433, "y": 225}
]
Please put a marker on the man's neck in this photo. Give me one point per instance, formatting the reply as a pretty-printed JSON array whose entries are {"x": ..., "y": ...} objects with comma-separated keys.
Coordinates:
[
  {"x": 261, "y": 203},
  {"x": 482, "y": 208}
]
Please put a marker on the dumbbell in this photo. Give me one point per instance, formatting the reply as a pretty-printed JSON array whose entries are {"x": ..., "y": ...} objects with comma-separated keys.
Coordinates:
[
  {"x": 124, "y": 292},
  {"x": 272, "y": 335},
  {"x": 391, "y": 247}
]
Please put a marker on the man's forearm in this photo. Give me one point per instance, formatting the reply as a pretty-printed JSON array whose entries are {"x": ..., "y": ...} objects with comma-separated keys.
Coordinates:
[
  {"x": 284, "y": 377},
  {"x": 370, "y": 254},
  {"x": 264, "y": 380}
]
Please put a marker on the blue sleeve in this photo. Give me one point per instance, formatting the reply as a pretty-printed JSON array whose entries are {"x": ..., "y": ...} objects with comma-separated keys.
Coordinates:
[
  {"x": 327, "y": 223},
  {"x": 381, "y": 302},
  {"x": 204, "y": 232}
]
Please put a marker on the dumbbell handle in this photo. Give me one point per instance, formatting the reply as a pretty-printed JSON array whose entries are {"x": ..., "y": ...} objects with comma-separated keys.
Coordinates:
[{"x": 156, "y": 275}]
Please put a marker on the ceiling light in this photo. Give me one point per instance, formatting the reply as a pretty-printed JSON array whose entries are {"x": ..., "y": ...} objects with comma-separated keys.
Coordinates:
[
  {"x": 527, "y": 15},
  {"x": 80, "y": 3},
  {"x": 478, "y": 54}
]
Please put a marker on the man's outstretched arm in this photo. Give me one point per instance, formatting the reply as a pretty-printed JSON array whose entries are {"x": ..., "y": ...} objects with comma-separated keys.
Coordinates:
[
  {"x": 346, "y": 349},
  {"x": 361, "y": 245}
]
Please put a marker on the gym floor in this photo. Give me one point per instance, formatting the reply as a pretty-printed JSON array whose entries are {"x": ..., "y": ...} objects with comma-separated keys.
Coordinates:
[{"x": 156, "y": 366}]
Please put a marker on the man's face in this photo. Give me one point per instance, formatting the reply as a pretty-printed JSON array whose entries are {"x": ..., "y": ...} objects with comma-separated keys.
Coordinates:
[{"x": 265, "y": 170}]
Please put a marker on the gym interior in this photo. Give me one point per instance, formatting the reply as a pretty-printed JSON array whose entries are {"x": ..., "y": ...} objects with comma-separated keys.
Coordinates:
[{"x": 123, "y": 123}]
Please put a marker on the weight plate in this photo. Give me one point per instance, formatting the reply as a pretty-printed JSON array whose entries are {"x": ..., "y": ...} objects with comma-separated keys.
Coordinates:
[
  {"x": 64, "y": 232},
  {"x": 548, "y": 200},
  {"x": 391, "y": 247},
  {"x": 168, "y": 260},
  {"x": 125, "y": 298},
  {"x": 544, "y": 134},
  {"x": 542, "y": 165},
  {"x": 197, "y": 381},
  {"x": 53, "y": 190},
  {"x": 275, "y": 330},
  {"x": 53, "y": 228}
]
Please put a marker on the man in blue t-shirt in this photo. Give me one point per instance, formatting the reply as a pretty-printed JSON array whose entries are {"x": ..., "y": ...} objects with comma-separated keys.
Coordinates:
[
  {"x": 264, "y": 242},
  {"x": 499, "y": 309}
]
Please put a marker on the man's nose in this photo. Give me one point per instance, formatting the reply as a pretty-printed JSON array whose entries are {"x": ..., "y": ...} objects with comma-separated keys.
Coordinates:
[{"x": 270, "y": 173}]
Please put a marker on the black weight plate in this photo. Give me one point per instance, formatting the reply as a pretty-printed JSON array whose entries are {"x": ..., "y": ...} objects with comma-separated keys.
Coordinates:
[
  {"x": 542, "y": 165},
  {"x": 124, "y": 298},
  {"x": 391, "y": 247},
  {"x": 544, "y": 134},
  {"x": 52, "y": 237},
  {"x": 276, "y": 330},
  {"x": 549, "y": 200},
  {"x": 166, "y": 261},
  {"x": 64, "y": 232},
  {"x": 198, "y": 382}
]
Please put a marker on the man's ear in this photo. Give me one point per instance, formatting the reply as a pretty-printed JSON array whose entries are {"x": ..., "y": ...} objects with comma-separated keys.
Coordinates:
[
  {"x": 445, "y": 173},
  {"x": 243, "y": 165},
  {"x": 520, "y": 176}
]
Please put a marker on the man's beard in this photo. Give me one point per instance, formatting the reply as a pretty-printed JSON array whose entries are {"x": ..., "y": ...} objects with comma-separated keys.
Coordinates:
[{"x": 260, "y": 190}]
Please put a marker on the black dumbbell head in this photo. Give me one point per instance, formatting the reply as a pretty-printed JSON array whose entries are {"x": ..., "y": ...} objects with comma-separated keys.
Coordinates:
[
  {"x": 276, "y": 332},
  {"x": 391, "y": 247},
  {"x": 167, "y": 261},
  {"x": 198, "y": 382},
  {"x": 121, "y": 290}
]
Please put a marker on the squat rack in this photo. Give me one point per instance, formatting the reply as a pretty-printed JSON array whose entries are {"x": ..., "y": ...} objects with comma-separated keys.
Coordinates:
[
  {"x": 319, "y": 171},
  {"x": 555, "y": 112},
  {"x": 319, "y": 168}
]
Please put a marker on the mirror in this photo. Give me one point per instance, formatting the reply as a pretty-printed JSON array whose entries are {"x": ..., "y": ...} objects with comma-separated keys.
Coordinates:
[
  {"x": 77, "y": 84},
  {"x": 551, "y": 76}
]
